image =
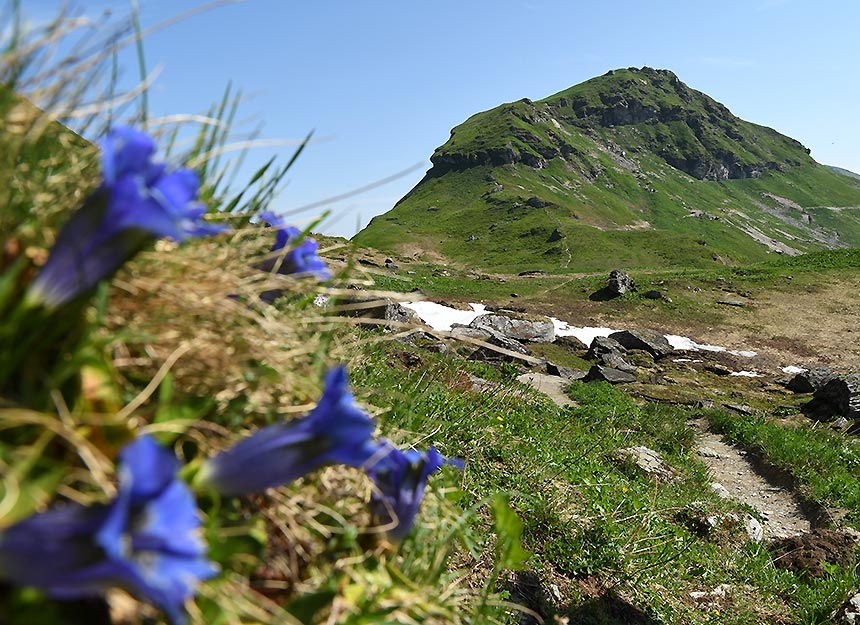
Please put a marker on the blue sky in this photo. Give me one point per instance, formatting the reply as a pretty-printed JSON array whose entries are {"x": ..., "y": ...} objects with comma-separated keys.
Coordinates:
[{"x": 383, "y": 82}]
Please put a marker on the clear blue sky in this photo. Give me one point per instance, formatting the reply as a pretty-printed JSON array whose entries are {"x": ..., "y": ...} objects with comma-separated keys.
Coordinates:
[{"x": 383, "y": 82}]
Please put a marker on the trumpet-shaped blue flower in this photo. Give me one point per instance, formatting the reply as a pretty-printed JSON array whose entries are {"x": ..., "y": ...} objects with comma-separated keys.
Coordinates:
[
  {"x": 145, "y": 541},
  {"x": 138, "y": 201},
  {"x": 302, "y": 259},
  {"x": 336, "y": 431},
  {"x": 400, "y": 479}
]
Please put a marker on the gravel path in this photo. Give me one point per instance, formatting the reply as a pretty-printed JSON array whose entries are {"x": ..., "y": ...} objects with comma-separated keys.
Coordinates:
[
  {"x": 550, "y": 385},
  {"x": 781, "y": 513}
]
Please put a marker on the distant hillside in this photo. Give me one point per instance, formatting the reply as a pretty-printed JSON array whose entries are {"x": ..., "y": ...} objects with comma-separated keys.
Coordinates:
[
  {"x": 844, "y": 172},
  {"x": 629, "y": 169}
]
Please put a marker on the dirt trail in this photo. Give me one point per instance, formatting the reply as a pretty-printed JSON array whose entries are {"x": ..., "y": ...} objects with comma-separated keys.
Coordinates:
[
  {"x": 780, "y": 511},
  {"x": 550, "y": 385}
]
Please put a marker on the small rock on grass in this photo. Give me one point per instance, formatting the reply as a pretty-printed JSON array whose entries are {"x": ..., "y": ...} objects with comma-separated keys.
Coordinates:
[{"x": 600, "y": 373}]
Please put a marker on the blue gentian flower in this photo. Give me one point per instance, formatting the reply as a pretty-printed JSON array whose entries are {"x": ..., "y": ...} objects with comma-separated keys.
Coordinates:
[
  {"x": 138, "y": 201},
  {"x": 400, "y": 478},
  {"x": 336, "y": 431},
  {"x": 145, "y": 541},
  {"x": 302, "y": 259}
]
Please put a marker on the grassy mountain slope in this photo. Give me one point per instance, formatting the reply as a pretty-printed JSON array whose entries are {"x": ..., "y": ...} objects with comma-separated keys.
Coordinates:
[{"x": 632, "y": 169}]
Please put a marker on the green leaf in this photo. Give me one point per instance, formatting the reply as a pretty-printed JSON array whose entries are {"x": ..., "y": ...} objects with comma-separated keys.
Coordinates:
[{"x": 510, "y": 553}]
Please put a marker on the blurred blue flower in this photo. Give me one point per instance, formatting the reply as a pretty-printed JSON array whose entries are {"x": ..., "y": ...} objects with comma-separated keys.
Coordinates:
[
  {"x": 400, "y": 479},
  {"x": 302, "y": 259},
  {"x": 137, "y": 202},
  {"x": 145, "y": 541},
  {"x": 337, "y": 431}
]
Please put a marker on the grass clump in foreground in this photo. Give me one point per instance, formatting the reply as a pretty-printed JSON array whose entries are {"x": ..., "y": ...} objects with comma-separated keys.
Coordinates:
[{"x": 164, "y": 433}]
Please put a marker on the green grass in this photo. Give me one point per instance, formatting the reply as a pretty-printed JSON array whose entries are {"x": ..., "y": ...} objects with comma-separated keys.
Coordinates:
[{"x": 590, "y": 520}]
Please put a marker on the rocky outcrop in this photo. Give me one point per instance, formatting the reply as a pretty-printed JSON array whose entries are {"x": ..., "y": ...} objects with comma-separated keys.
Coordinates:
[
  {"x": 602, "y": 345},
  {"x": 537, "y": 331},
  {"x": 493, "y": 337},
  {"x": 648, "y": 340},
  {"x": 810, "y": 381},
  {"x": 842, "y": 395},
  {"x": 619, "y": 283},
  {"x": 602, "y": 373},
  {"x": 648, "y": 460}
]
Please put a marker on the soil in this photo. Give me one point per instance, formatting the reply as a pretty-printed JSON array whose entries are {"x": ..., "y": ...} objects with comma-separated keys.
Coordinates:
[{"x": 807, "y": 554}]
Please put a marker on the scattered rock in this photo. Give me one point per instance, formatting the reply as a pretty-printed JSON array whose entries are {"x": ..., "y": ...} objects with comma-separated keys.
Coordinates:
[
  {"x": 841, "y": 424},
  {"x": 707, "y": 452},
  {"x": 556, "y": 235},
  {"x": 571, "y": 342},
  {"x": 480, "y": 385},
  {"x": 806, "y": 553},
  {"x": 754, "y": 529},
  {"x": 533, "y": 272},
  {"x": 648, "y": 340},
  {"x": 849, "y": 612},
  {"x": 719, "y": 490},
  {"x": 742, "y": 409},
  {"x": 492, "y": 337},
  {"x": 564, "y": 372},
  {"x": 374, "y": 308},
  {"x": 711, "y": 599},
  {"x": 602, "y": 373},
  {"x": 842, "y": 394},
  {"x": 535, "y": 202},
  {"x": 616, "y": 361},
  {"x": 602, "y": 345},
  {"x": 731, "y": 302},
  {"x": 648, "y": 461},
  {"x": 717, "y": 369},
  {"x": 541, "y": 331},
  {"x": 810, "y": 381},
  {"x": 652, "y": 294},
  {"x": 619, "y": 283}
]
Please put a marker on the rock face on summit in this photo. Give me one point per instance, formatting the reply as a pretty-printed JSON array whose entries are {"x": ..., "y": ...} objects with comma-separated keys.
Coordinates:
[{"x": 620, "y": 169}]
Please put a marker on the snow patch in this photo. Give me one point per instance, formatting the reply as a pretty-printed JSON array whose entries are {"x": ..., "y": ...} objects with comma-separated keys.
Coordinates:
[
  {"x": 746, "y": 374},
  {"x": 793, "y": 370},
  {"x": 441, "y": 317}
]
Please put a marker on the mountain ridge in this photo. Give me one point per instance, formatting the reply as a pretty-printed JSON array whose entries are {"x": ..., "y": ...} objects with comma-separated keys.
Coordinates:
[{"x": 635, "y": 152}]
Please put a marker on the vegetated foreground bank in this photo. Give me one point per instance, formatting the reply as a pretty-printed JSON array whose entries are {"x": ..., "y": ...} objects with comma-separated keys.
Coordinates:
[
  {"x": 633, "y": 168},
  {"x": 613, "y": 542}
]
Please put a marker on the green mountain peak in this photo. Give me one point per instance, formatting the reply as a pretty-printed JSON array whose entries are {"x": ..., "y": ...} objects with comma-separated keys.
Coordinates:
[{"x": 629, "y": 168}]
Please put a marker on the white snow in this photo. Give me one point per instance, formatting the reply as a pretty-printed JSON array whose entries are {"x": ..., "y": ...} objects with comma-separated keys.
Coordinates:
[
  {"x": 685, "y": 343},
  {"x": 746, "y": 374},
  {"x": 585, "y": 334},
  {"x": 441, "y": 317},
  {"x": 793, "y": 370}
]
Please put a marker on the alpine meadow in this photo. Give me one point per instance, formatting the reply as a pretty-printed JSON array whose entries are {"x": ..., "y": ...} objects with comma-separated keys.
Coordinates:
[{"x": 598, "y": 366}]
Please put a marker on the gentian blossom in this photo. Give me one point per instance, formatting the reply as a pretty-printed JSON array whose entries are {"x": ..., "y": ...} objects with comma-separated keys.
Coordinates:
[
  {"x": 145, "y": 541},
  {"x": 138, "y": 201},
  {"x": 302, "y": 259},
  {"x": 400, "y": 478},
  {"x": 336, "y": 431}
]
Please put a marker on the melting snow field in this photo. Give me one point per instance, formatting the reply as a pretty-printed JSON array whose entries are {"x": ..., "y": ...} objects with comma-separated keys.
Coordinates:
[{"x": 441, "y": 317}]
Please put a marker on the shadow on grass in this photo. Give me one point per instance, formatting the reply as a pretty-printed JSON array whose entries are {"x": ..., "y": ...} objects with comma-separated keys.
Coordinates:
[
  {"x": 603, "y": 295},
  {"x": 608, "y": 608}
]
